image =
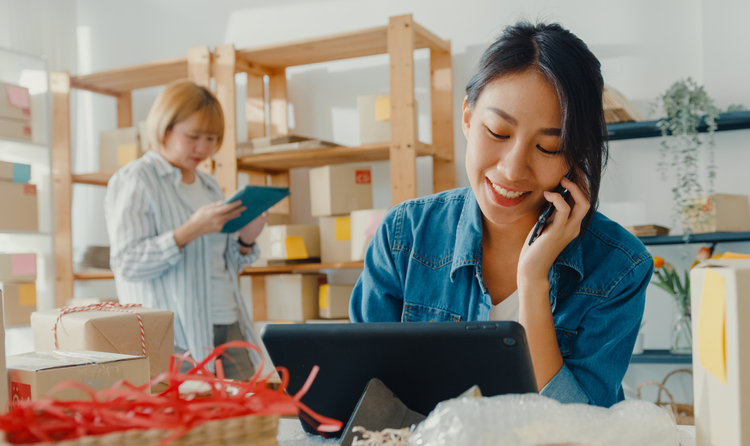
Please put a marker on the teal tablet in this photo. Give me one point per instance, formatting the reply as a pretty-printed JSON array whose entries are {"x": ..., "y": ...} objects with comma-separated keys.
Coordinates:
[{"x": 257, "y": 199}]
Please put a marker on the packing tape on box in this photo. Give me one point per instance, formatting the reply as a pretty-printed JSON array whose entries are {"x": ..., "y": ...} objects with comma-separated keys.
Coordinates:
[
  {"x": 383, "y": 109},
  {"x": 323, "y": 299},
  {"x": 295, "y": 248},
  {"x": 27, "y": 294},
  {"x": 343, "y": 229},
  {"x": 712, "y": 326}
]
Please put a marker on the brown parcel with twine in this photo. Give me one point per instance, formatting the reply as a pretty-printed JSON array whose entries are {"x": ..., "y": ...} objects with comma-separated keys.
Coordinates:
[
  {"x": 108, "y": 331},
  {"x": 683, "y": 413}
]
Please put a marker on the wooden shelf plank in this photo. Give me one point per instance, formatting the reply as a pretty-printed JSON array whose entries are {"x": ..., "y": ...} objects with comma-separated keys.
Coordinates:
[
  {"x": 94, "y": 275},
  {"x": 648, "y": 129},
  {"x": 304, "y": 267},
  {"x": 121, "y": 80},
  {"x": 660, "y": 357},
  {"x": 346, "y": 45},
  {"x": 713, "y": 237},
  {"x": 95, "y": 179},
  {"x": 323, "y": 157}
]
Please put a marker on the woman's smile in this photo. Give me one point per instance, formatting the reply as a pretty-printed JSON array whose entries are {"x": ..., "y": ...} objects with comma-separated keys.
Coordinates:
[{"x": 503, "y": 195}]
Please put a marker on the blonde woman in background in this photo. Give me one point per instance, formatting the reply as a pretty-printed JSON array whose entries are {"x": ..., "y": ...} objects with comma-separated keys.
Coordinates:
[{"x": 164, "y": 219}]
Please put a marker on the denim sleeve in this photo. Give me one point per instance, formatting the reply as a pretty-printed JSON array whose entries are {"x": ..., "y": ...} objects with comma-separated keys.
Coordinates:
[
  {"x": 378, "y": 296},
  {"x": 601, "y": 350}
]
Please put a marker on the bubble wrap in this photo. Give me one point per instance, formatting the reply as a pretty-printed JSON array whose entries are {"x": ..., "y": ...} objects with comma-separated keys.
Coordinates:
[{"x": 534, "y": 420}]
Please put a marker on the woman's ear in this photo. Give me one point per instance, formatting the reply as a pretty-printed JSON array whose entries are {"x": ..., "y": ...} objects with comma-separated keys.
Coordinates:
[{"x": 466, "y": 118}]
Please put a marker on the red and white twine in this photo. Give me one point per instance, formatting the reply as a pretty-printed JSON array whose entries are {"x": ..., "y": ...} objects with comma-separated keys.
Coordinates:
[{"x": 104, "y": 306}]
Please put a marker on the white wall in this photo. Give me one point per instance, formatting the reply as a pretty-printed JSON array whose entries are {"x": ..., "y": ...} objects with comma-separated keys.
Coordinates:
[{"x": 644, "y": 46}]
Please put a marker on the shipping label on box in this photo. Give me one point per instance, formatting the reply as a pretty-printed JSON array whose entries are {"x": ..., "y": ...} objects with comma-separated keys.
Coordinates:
[
  {"x": 31, "y": 375},
  {"x": 15, "y": 172},
  {"x": 335, "y": 239},
  {"x": 364, "y": 226},
  {"x": 16, "y": 129},
  {"x": 18, "y": 267},
  {"x": 22, "y": 200},
  {"x": 15, "y": 102},
  {"x": 108, "y": 331},
  {"x": 716, "y": 213},
  {"x": 720, "y": 303},
  {"x": 19, "y": 301},
  {"x": 293, "y": 297},
  {"x": 333, "y": 301},
  {"x": 289, "y": 242},
  {"x": 339, "y": 190}
]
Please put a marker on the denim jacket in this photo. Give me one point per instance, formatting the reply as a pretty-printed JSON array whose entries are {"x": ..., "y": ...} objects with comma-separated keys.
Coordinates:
[{"x": 425, "y": 264}]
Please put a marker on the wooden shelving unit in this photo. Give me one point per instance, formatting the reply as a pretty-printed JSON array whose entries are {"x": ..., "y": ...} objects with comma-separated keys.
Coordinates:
[{"x": 399, "y": 39}]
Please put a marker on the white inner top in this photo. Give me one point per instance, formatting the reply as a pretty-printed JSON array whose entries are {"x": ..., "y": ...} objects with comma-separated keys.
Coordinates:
[
  {"x": 506, "y": 310},
  {"x": 224, "y": 305}
]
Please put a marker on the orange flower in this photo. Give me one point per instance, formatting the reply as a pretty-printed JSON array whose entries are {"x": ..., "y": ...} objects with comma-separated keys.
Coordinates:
[
  {"x": 703, "y": 254},
  {"x": 695, "y": 263},
  {"x": 658, "y": 262}
]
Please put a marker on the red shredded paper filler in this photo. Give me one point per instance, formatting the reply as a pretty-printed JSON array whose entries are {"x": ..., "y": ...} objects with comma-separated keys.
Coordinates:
[{"x": 124, "y": 406}]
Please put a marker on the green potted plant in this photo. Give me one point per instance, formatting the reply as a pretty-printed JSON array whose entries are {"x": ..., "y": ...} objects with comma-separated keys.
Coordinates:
[{"x": 684, "y": 105}]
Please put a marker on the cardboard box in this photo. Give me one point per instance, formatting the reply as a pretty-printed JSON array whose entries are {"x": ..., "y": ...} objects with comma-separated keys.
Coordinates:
[
  {"x": 31, "y": 375},
  {"x": 716, "y": 213},
  {"x": 720, "y": 299},
  {"x": 18, "y": 267},
  {"x": 375, "y": 118},
  {"x": 333, "y": 301},
  {"x": 293, "y": 297},
  {"x": 10, "y": 128},
  {"x": 339, "y": 190},
  {"x": 109, "y": 331},
  {"x": 83, "y": 301},
  {"x": 289, "y": 242},
  {"x": 118, "y": 147},
  {"x": 335, "y": 239},
  {"x": 328, "y": 321},
  {"x": 3, "y": 371},
  {"x": 15, "y": 102},
  {"x": 364, "y": 226},
  {"x": 21, "y": 199},
  {"x": 20, "y": 302},
  {"x": 14, "y": 172}
]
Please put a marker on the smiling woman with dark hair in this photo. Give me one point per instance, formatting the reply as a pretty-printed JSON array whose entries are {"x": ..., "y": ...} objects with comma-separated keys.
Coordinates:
[{"x": 532, "y": 115}]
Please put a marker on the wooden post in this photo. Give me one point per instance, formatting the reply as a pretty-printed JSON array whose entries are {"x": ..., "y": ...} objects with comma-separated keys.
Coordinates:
[
  {"x": 284, "y": 206},
  {"x": 226, "y": 157},
  {"x": 199, "y": 71},
  {"x": 255, "y": 107},
  {"x": 62, "y": 191},
  {"x": 125, "y": 110},
  {"x": 277, "y": 98},
  {"x": 260, "y": 308},
  {"x": 403, "y": 151},
  {"x": 441, "y": 97}
]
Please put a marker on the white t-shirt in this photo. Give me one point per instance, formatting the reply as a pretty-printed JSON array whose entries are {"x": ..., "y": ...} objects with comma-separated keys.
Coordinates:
[
  {"x": 224, "y": 305},
  {"x": 506, "y": 310}
]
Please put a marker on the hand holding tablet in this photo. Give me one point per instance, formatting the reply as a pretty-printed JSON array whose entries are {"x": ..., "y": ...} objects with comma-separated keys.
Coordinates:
[{"x": 256, "y": 200}]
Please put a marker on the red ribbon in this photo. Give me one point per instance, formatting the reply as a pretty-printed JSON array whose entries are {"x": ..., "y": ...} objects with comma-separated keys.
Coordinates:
[{"x": 124, "y": 406}]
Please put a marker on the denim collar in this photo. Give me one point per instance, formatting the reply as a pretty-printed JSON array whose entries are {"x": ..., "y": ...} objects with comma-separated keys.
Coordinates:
[{"x": 468, "y": 248}]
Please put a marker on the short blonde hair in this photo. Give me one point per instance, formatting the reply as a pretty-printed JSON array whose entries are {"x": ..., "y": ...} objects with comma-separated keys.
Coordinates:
[{"x": 177, "y": 102}]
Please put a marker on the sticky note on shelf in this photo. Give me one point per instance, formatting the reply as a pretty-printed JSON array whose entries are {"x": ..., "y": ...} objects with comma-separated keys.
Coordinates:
[
  {"x": 23, "y": 264},
  {"x": 27, "y": 294},
  {"x": 343, "y": 229},
  {"x": 126, "y": 153},
  {"x": 712, "y": 326},
  {"x": 295, "y": 248},
  {"x": 373, "y": 221},
  {"x": 383, "y": 108},
  {"x": 323, "y": 297}
]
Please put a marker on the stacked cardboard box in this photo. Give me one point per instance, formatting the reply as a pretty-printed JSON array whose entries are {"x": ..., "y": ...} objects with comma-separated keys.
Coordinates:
[
  {"x": 18, "y": 197},
  {"x": 288, "y": 243},
  {"x": 293, "y": 297},
  {"x": 364, "y": 226},
  {"x": 15, "y": 112},
  {"x": 716, "y": 213},
  {"x": 18, "y": 277},
  {"x": 375, "y": 118},
  {"x": 333, "y": 301},
  {"x": 120, "y": 146}
]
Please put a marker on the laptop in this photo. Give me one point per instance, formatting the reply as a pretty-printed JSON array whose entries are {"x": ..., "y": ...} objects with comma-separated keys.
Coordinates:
[{"x": 421, "y": 363}]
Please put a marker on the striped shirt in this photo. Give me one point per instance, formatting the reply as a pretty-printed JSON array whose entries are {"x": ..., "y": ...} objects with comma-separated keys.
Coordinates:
[{"x": 143, "y": 206}]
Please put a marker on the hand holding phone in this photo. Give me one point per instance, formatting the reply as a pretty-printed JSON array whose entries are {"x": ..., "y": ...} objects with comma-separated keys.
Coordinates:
[{"x": 547, "y": 213}]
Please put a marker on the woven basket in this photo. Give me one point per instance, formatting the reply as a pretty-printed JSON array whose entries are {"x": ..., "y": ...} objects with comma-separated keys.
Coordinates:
[
  {"x": 249, "y": 431},
  {"x": 683, "y": 413}
]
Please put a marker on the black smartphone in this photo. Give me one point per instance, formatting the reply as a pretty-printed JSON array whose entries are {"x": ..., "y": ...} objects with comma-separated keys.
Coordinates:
[{"x": 542, "y": 222}]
